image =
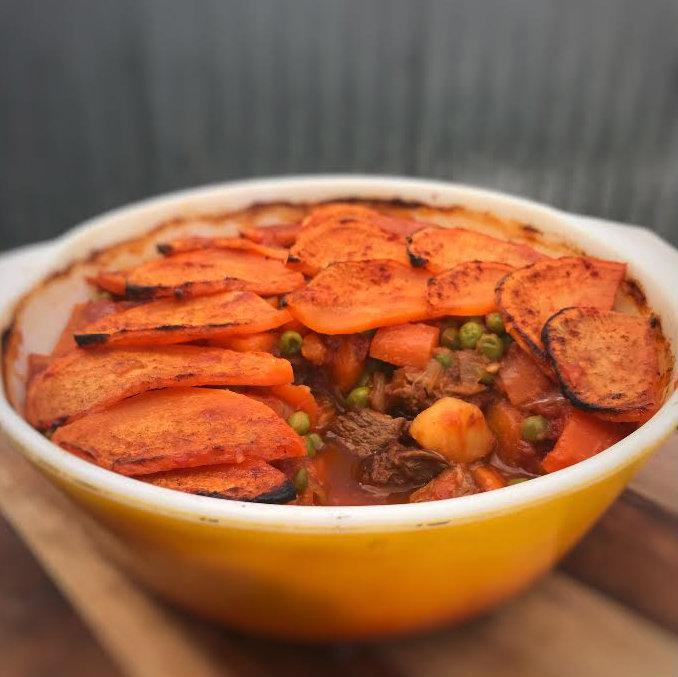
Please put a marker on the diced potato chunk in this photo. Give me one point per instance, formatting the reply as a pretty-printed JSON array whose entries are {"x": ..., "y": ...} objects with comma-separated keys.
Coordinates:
[{"x": 455, "y": 428}]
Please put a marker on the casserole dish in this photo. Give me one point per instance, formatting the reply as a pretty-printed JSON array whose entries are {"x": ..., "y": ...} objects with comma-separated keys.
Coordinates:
[{"x": 329, "y": 573}]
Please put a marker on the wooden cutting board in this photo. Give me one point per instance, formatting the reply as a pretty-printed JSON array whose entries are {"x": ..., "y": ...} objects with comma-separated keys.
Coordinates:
[{"x": 611, "y": 608}]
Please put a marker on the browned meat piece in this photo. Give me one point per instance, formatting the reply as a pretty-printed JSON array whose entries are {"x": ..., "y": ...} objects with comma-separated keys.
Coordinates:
[
  {"x": 412, "y": 390},
  {"x": 399, "y": 467},
  {"x": 451, "y": 483},
  {"x": 364, "y": 432}
]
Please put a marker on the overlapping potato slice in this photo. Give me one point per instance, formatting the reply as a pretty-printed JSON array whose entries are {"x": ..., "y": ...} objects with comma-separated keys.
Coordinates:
[
  {"x": 88, "y": 380},
  {"x": 200, "y": 272},
  {"x": 467, "y": 289},
  {"x": 276, "y": 235},
  {"x": 191, "y": 244},
  {"x": 344, "y": 240},
  {"x": 528, "y": 296},
  {"x": 180, "y": 428},
  {"x": 440, "y": 249},
  {"x": 606, "y": 361},
  {"x": 82, "y": 315},
  {"x": 350, "y": 297},
  {"x": 252, "y": 480},
  {"x": 174, "y": 321}
]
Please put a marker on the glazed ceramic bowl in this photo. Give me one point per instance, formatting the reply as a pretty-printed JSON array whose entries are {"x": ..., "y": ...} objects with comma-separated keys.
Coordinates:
[{"x": 328, "y": 573}]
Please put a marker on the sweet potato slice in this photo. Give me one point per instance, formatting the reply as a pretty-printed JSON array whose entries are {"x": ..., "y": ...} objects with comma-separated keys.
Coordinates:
[
  {"x": 112, "y": 281},
  {"x": 89, "y": 380},
  {"x": 207, "y": 271},
  {"x": 335, "y": 212},
  {"x": 344, "y": 240},
  {"x": 606, "y": 362},
  {"x": 349, "y": 297},
  {"x": 529, "y": 296},
  {"x": 252, "y": 480},
  {"x": 170, "y": 321},
  {"x": 263, "y": 342},
  {"x": 180, "y": 428},
  {"x": 467, "y": 289},
  {"x": 277, "y": 235},
  {"x": 191, "y": 244},
  {"x": 405, "y": 345},
  {"x": 82, "y": 315},
  {"x": 583, "y": 436},
  {"x": 440, "y": 249}
]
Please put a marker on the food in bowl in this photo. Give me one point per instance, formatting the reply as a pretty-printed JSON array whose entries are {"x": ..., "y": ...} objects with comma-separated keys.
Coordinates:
[{"x": 353, "y": 355}]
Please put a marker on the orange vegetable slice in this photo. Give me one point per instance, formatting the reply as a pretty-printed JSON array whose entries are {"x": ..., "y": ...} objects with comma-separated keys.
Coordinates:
[
  {"x": 344, "y": 240},
  {"x": 110, "y": 280},
  {"x": 252, "y": 480},
  {"x": 529, "y": 296},
  {"x": 277, "y": 235},
  {"x": 440, "y": 249},
  {"x": 191, "y": 244},
  {"x": 170, "y": 321},
  {"x": 180, "y": 428},
  {"x": 349, "y": 297},
  {"x": 467, "y": 289},
  {"x": 335, "y": 212},
  {"x": 606, "y": 362},
  {"x": 82, "y": 315},
  {"x": 263, "y": 342},
  {"x": 405, "y": 345},
  {"x": 89, "y": 380},
  {"x": 583, "y": 436},
  {"x": 208, "y": 271}
]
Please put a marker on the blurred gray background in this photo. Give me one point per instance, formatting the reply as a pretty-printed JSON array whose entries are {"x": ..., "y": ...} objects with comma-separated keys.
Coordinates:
[{"x": 572, "y": 102}]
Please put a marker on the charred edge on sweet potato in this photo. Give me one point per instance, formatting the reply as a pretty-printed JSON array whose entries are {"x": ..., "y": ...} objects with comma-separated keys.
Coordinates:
[
  {"x": 510, "y": 320},
  {"x": 576, "y": 400},
  {"x": 84, "y": 340},
  {"x": 282, "y": 494}
]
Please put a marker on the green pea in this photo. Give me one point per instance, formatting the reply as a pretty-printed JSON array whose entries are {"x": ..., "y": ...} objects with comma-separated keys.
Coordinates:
[
  {"x": 450, "y": 338},
  {"x": 486, "y": 379},
  {"x": 300, "y": 480},
  {"x": 300, "y": 422},
  {"x": 357, "y": 398},
  {"x": 494, "y": 323},
  {"x": 290, "y": 343},
  {"x": 534, "y": 428},
  {"x": 444, "y": 356},
  {"x": 313, "y": 444},
  {"x": 469, "y": 334},
  {"x": 518, "y": 480},
  {"x": 491, "y": 346}
]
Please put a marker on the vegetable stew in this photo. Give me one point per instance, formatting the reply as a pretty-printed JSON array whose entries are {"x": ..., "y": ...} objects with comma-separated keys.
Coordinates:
[{"x": 352, "y": 356}]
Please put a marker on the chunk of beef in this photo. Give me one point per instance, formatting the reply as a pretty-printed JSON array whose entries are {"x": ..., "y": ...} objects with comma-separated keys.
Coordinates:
[
  {"x": 451, "y": 483},
  {"x": 412, "y": 390},
  {"x": 364, "y": 432},
  {"x": 399, "y": 467}
]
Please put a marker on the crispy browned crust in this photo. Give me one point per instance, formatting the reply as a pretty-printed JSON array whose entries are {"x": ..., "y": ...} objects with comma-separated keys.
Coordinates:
[{"x": 606, "y": 362}]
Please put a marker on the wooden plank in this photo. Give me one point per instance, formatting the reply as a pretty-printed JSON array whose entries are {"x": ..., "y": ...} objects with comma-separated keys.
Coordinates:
[
  {"x": 141, "y": 637},
  {"x": 33, "y": 614},
  {"x": 632, "y": 555},
  {"x": 557, "y": 629}
]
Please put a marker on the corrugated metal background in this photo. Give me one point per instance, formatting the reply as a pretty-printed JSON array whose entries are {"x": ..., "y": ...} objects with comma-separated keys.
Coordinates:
[{"x": 570, "y": 102}]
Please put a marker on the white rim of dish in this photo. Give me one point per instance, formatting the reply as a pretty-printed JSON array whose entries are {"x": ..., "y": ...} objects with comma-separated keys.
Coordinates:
[{"x": 327, "y": 518}]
